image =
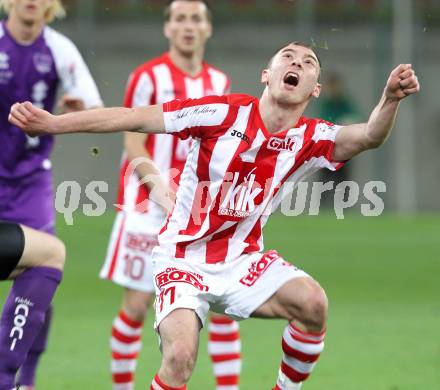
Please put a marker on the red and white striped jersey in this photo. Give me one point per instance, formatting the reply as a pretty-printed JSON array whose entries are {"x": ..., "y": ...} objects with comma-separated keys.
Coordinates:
[
  {"x": 235, "y": 174},
  {"x": 158, "y": 81}
]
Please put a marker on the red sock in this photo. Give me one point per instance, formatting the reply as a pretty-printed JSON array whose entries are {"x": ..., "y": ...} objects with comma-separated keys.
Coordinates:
[
  {"x": 157, "y": 384},
  {"x": 301, "y": 351},
  {"x": 125, "y": 345}
]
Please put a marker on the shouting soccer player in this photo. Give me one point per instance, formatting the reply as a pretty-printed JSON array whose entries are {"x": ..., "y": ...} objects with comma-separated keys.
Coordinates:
[
  {"x": 34, "y": 61},
  {"x": 180, "y": 73},
  {"x": 244, "y": 151}
]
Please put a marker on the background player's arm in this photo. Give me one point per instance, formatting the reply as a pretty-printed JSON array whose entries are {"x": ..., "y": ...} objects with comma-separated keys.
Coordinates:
[
  {"x": 68, "y": 103},
  {"x": 36, "y": 121},
  {"x": 79, "y": 88},
  {"x": 354, "y": 139},
  {"x": 147, "y": 171}
]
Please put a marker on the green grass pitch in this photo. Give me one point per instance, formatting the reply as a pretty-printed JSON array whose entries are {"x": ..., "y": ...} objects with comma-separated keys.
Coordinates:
[{"x": 382, "y": 276}]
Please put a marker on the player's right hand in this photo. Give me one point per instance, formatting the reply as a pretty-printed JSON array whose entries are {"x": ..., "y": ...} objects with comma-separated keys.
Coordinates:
[{"x": 33, "y": 120}]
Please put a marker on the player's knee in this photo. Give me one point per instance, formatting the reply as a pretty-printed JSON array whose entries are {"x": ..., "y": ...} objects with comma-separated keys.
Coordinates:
[
  {"x": 181, "y": 360},
  {"x": 315, "y": 305},
  {"x": 136, "y": 305},
  {"x": 56, "y": 254}
]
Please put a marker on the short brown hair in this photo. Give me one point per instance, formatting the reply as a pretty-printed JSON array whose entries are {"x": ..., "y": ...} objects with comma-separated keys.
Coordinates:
[
  {"x": 295, "y": 43},
  {"x": 167, "y": 11}
]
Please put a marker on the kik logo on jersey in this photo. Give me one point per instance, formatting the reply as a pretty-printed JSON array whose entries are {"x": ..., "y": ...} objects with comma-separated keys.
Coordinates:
[{"x": 239, "y": 201}]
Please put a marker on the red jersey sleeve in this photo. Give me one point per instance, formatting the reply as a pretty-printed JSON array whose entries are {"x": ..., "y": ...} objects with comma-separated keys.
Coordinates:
[{"x": 323, "y": 143}]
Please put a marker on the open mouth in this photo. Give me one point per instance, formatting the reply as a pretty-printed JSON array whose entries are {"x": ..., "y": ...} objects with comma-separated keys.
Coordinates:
[{"x": 291, "y": 79}]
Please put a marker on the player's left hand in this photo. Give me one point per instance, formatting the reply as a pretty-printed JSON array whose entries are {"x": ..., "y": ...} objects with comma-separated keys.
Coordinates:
[
  {"x": 402, "y": 83},
  {"x": 33, "y": 120},
  {"x": 69, "y": 103}
]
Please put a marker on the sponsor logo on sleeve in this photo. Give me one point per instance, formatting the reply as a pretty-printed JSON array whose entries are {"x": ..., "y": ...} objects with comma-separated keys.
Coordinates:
[{"x": 191, "y": 111}]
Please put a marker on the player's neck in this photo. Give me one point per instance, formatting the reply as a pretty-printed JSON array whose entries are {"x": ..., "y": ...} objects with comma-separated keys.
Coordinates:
[
  {"x": 22, "y": 32},
  {"x": 190, "y": 64},
  {"x": 277, "y": 117}
]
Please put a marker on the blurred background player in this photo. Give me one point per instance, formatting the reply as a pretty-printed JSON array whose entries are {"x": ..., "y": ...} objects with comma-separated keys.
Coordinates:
[
  {"x": 35, "y": 261},
  {"x": 35, "y": 60},
  {"x": 180, "y": 73}
]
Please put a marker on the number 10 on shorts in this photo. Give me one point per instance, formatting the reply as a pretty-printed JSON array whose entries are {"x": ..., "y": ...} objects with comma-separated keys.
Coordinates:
[{"x": 134, "y": 266}]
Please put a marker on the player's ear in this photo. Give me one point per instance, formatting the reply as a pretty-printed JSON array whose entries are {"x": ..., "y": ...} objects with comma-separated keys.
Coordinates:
[
  {"x": 166, "y": 30},
  {"x": 317, "y": 90},
  {"x": 265, "y": 76},
  {"x": 209, "y": 30}
]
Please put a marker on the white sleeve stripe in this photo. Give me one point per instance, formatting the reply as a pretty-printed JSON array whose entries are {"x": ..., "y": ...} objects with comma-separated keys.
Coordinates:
[
  {"x": 195, "y": 116},
  {"x": 324, "y": 132}
]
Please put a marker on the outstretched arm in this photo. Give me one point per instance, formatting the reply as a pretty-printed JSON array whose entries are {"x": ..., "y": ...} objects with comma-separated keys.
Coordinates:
[
  {"x": 354, "y": 139},
  {"x": 36, "y": 121}
]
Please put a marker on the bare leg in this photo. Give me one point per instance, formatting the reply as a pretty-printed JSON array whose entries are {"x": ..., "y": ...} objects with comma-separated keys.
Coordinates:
[{"x": 179, "y": 333}]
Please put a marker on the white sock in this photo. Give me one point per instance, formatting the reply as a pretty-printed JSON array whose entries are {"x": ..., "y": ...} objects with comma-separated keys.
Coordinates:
[{"x": 286, "y": 384}]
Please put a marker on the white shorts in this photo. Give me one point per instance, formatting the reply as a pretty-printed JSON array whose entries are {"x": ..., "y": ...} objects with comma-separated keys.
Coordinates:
[
  {"x": 234, "y": 288},
  {"x": 128, "y": 260}
]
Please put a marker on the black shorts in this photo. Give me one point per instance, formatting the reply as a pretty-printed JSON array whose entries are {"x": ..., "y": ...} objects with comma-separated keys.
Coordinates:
[{"x": 11, "y": 247}]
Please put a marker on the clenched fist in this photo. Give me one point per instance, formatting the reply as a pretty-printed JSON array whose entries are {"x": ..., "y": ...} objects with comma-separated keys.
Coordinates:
[
  {"x": 402, "y": 83},
  {"x": 33, "y": 120}
]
